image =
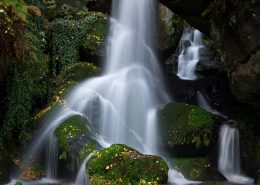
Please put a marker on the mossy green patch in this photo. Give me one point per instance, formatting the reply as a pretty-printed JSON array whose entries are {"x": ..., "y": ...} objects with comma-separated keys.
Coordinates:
[
  {"x": 74, "y": 140},
  {"x": 192, "y": 168},
  {"x": 78, "y": 72},
  {"x": 186, "y": 124},
  {"x": 92, "y": 43},
  {"x": 124, "y": 165}
]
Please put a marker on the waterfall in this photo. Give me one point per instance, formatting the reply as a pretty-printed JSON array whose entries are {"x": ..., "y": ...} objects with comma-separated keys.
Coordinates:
[
  {"x": 121, "y": 104},
  {"x": 132, "y": 83},
  {"x": 82, "y": 178},
  {"x": 189, "y": 56},
  {"x": 229, "y": 155}
]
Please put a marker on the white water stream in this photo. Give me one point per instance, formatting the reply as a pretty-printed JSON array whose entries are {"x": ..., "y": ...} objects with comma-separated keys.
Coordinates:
[
  {"x": 189, "y": 56},
  {"x": 82, "y": 178},
  {"x": 229, "y": 155}
]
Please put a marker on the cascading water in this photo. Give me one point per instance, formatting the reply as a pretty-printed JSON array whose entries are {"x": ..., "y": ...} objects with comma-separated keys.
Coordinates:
[
  {"x": 121, "y": 104},
  {"x": 82, "y": 178},
  {"x": 189, "y": 56},
  {"x": 229, "y": 155},
  {"x": 203, "y": 103}
]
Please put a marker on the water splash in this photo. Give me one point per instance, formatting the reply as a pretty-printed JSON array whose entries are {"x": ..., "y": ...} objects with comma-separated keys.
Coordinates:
[
  {"x": 229, "y": 155},
  {"x": 190, "y": 45}
]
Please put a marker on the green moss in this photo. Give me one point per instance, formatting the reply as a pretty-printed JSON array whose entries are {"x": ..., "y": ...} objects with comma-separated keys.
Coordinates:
[
  {"x": 198, "y": 118},
  {"x": 64, "y": 89},
  {"x": 92, "y": 43},
  {"x": 18, "y": 183},
  {"x": 186, "y": 124},
  {"x": 78, "y": 72},
  {"x": 120, "y": 163},
  {"x": 192, "y": 168},
  {"x": 74, "y": 140}
]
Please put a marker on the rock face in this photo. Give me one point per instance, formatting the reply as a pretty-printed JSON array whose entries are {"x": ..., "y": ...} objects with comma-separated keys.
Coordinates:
[
  {"x": 169, "y": 28},
  {"x": 199, "y": 169},
  {"x": 120, "y": 164},
  {"x": 187, "y": 130},
  {"x": 235, "y": 27}
]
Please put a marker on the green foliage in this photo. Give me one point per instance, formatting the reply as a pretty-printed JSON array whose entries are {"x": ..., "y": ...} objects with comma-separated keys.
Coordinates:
[
  {"x": 67, "y": 35},
  {"x": 124, "y": 165},
  {"x": 19, "y": 7},
  {"x": 92, "y": 43},
  {"x": 27, "y": 85},
  {"x": 192, "y": 168},
  {"x": 18, "y": 183},
  {"x": 186, "y": 124}
]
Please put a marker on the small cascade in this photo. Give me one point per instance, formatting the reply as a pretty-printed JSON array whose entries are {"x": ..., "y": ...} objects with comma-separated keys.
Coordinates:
[
  {"x": 52, "y": 158},
  {"x": 229, "y": 155},
  {"x": 203, "y": 103},
  {"x": 82, "y": 178},
  {"x": 189, "y": 56}
]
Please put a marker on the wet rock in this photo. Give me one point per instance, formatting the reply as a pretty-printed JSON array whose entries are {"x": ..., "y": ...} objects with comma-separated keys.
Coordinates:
[
  {"x": 120, "y": 164},
  {"x": 206, "y": 67},
  {"x": 186, "y": 130},
  {"x": 75, "y": 142},
  {"x": 199, "y": 169},
  {"x": 245, "y": 82}
]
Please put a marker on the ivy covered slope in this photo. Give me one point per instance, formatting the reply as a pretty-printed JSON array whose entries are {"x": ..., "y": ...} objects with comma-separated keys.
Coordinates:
[
  {"x": 41, "y": 60},
  {"x": 120, "y": 165}
]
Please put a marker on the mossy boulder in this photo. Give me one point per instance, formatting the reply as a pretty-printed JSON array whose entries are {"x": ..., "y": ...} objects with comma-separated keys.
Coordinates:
[
  {"x": 78, "y": 72},
  {"x": 186, "y": 125},
  {"x": 199, "y": 169},
  {"x": 120, "y": 164},
  {"x": 71, "y": 75},
  {"x": 74, "y": 141}
]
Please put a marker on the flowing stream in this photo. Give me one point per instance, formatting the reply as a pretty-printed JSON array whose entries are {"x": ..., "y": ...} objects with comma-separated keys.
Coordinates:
[
  {"x": 229, "y": 155},
  {"x": 189, "y": 56}
]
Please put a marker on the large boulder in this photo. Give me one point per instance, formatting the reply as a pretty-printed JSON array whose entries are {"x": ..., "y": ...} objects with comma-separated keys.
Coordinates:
[
  {"x": 199, "y": 169},
  {"x": 187, "y": 130},
  {"x": 74, "y": 141},
  {"x": 120, "y": 164}
]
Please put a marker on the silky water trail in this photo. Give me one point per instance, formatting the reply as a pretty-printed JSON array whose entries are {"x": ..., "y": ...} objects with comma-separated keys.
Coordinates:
[
  {"x": 229, "y": 146},
  {"x": 121, "y": 104},
  {"x": 190, "y": 48}
]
